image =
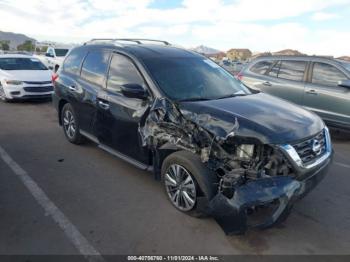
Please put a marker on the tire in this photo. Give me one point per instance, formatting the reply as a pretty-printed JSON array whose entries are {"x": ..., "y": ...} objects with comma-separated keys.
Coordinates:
[
  {"x": 70, "y": 125},
  {"x": 204, "y": 182}
]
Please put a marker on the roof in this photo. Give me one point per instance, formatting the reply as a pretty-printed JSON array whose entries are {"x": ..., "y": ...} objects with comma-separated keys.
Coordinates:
[
  {"x": 276, "y": 57},
  {"x": 145, "y": 51}
]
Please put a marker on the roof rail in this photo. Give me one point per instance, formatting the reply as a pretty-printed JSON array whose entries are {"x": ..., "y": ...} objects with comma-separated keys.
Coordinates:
[{"x": 134, "y": 40}]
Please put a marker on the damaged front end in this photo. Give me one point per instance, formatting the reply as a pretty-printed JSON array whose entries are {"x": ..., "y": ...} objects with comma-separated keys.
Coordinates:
[{"x": 257, "y": 183}]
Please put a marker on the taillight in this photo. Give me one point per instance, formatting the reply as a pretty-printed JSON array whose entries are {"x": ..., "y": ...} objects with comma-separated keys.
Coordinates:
[
  {"x": 54, "y": 77},
  {"x": 239, "y": 76}
]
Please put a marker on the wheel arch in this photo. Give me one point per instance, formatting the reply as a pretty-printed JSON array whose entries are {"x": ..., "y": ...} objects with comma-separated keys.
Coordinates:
[{"x": 61, "y": 104}]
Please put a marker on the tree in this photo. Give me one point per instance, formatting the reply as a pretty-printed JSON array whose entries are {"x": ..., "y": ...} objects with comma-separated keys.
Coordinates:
[
  {"x": 44, "y": 49},
  {"x": 26, "y": 46},
  {"x": 5, "y": 45}
]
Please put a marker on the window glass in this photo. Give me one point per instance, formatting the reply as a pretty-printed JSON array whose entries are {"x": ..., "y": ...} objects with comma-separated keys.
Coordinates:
[
  {"x": 73, "y": 61},
  {"x": 261, "y": 67},
  {"x": 193, "y": 78},
  {"x": 325, "y": 74},
  {"x": 95, "y": 66},
  {"x": 346, "y": 65},
  {"x": 122, "y": 71},
  {"x": 17, "y": 63},
  {"x": 274, "y": 71},
  {"x": 292, "y": 70},
  {"x": 61, "y": 52}
]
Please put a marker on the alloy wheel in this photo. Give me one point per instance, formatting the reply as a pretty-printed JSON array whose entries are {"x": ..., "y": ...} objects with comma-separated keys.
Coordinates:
[
  {"x": 69, "y": 124},
  {"x": 180, "y": 187}
]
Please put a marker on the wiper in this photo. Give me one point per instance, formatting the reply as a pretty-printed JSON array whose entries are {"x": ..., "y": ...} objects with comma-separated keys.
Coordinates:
[
  {"x": 232, "y": 95},
  {"x": 194, "y": 99}
]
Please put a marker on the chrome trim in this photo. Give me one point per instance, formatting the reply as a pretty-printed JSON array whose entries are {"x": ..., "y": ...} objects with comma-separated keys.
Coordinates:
[{"x": 292, "y": 153}]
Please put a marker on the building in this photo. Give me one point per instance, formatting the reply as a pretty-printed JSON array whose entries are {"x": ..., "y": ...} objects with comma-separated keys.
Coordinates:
[
  {"x": 345, "y": 58},
  {"x": 238, "y": 54}
]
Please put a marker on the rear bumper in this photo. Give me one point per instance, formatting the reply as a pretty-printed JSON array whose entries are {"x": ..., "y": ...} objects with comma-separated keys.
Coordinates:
[{"x": 273, "y": 197}]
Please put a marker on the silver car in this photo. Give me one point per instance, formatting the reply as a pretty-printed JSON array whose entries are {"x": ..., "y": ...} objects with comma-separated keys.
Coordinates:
[{"x": 320, "y": 84}]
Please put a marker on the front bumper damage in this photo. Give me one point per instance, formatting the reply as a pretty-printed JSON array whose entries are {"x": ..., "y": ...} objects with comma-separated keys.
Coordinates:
[
  {"x": 232, "y": 214},
  {"x": 267, "y": 194}
]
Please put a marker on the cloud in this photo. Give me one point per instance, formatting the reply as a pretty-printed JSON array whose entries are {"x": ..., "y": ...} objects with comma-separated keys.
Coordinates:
[
  {"x": 323, "y": 16},
  {"x": 258, "y": 25}
]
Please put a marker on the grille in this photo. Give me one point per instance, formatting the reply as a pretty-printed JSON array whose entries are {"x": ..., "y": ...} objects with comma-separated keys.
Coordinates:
[
  {"x": 37, "y": 82},
  {"x": 311, "y": 149},
  {"x": 38, "y": 89}
]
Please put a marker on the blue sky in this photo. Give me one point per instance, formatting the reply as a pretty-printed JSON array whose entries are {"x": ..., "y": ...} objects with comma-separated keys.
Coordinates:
[{"x": 311, "y": 26}]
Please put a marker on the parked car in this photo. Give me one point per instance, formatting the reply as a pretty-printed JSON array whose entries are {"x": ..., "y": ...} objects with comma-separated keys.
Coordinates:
[
  {"x": 23, "y": 77},
  {"x": 219, "y": 149},
  {"x": 319, "y": 84},
  {"x": 54, "y": 57}
]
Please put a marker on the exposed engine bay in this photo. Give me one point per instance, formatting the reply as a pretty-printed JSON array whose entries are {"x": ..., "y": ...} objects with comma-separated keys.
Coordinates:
[{"x": 251, "y": 175}]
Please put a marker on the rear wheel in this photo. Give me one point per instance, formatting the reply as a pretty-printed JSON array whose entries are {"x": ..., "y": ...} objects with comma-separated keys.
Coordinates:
[
  {"x": 186, "y": 179},
  {"x": 70, "y": 125}
]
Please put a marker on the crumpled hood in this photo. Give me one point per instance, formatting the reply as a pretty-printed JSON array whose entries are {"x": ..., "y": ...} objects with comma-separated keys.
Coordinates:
[
  {"x": 27, "y": 75},
  {"x": 259, "y": 116}
]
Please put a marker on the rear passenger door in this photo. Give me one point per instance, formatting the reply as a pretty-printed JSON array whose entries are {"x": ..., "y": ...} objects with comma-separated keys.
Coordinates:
[
  {"x": 324, "y": 96},
  {"x": 286, "y": 79},
  {"x": 90, "y": 83},
  {"x": 118, "y": 117}
]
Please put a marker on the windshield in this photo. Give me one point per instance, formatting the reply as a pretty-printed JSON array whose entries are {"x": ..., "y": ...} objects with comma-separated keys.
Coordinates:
[
  {"x": 16, "y": 63},
  {"x": 184, "y": 79},
  {"x": 61, "y": 52}
]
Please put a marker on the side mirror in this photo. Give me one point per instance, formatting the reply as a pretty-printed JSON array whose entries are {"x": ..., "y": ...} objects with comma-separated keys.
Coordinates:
[
  {"x": 344, "y": 83},
  {"x": 134, "y": 91},
  {"x": 48, "y": 55}
]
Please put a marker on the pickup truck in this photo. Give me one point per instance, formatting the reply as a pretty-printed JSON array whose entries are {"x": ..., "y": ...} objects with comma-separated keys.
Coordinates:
[{"x": 54, "y": 57}]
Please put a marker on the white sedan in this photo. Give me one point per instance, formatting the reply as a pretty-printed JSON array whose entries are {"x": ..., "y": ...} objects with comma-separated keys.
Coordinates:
[{"x": 23, "y": 77}]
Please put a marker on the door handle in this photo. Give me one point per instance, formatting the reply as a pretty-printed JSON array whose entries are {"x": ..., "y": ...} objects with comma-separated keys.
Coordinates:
[
  {"x": 104, "y": 105},
  {"x": 311, "y": 91},
  {"x": 267, "y": 83},
  {"x": 72, "y": 88}
]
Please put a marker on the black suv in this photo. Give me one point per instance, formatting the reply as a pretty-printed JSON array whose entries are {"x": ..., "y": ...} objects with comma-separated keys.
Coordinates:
[{"x": 219, "y": 149}]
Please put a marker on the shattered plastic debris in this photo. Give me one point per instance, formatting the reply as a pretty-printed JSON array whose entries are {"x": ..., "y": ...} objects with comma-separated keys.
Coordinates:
[{"x": 198, "y": 133}]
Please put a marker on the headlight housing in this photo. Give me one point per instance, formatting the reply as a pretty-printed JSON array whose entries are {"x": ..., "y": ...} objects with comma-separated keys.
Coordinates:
[{"x": 13, "y": 82}]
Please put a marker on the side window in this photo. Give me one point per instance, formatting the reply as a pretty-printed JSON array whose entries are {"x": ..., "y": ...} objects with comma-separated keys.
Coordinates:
[
  {"x": 95, "y": 66},
  {"x": 122, "y": 71},
  {"x": 275, "y": 69},
  {"x": 292, "y": 70},
  {"x": 73, "y": 61},
  {"x": 261, "y": 67},
  {"x": 325, "y": 74}
]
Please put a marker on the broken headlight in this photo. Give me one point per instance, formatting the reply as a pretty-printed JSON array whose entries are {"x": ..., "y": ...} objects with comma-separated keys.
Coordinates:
[{"x": 244, "y": 152}]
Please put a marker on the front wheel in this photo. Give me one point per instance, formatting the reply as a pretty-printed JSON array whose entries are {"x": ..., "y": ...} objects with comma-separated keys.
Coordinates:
[
  {"x": 186, "y": 179},
  {"x": 70, "y": 125}
]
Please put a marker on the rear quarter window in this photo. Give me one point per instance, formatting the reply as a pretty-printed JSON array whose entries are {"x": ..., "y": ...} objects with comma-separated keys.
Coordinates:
[{"x": 73, "y": 61}]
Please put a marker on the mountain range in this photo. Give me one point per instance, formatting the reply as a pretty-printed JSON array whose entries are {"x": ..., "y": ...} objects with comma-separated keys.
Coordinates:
[{"x": 15, "y": 39}]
